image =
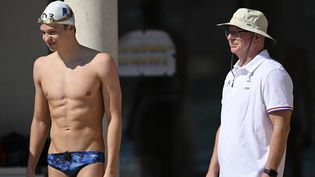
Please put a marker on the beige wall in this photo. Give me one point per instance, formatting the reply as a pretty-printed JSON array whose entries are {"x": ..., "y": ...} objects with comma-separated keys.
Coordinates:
[{"x": 20, "y": 44}]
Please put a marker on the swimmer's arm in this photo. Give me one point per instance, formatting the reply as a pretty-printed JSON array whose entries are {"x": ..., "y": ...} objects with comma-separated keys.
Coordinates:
[
  {"x": 112, "y": 98},
  {"x": 40, "y": 124}
]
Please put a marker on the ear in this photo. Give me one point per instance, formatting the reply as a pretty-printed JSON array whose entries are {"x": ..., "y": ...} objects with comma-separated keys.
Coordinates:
[
  {"x": 257, "y": 38},
  {"x": 71, "y": 27}
]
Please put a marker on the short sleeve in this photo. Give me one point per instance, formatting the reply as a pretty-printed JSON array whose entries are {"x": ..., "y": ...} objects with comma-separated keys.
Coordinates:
[{"x": 278, "y": 91}]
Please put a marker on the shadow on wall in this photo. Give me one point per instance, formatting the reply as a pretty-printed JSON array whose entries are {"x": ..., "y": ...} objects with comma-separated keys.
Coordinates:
[{"x": 300, "y": 137}]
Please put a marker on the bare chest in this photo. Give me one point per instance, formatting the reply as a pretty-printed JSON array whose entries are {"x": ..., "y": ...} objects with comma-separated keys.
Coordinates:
[{"x": 78, "y": 83}]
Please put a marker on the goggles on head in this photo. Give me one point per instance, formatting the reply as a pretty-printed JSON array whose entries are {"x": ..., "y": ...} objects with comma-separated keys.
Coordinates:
[{"x": 49, "y": 18}]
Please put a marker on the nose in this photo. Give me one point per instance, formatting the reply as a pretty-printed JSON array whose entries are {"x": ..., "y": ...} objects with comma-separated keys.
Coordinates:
[
  {"x": 46, "y": 37},
  {"x": 228, "y": 35}
]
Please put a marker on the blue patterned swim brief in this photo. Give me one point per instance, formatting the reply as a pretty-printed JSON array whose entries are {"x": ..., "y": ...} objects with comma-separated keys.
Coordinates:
[{"x": 71, "y": 163}]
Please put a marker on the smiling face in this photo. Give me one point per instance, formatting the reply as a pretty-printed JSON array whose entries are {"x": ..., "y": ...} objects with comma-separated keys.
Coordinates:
[{"x": 54, "y": 35}]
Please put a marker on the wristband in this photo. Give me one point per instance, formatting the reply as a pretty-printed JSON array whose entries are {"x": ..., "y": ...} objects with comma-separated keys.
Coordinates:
[{"x": 271, "y": 172}]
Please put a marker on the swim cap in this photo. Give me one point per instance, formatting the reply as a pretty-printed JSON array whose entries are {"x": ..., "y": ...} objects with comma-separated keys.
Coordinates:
[{"x": 57, "y": 12}]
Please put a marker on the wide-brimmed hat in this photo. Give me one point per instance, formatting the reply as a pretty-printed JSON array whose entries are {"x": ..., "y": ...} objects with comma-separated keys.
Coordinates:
[
  {"x": 250, "y": 20},
  {"x": 57, "y": 12}
]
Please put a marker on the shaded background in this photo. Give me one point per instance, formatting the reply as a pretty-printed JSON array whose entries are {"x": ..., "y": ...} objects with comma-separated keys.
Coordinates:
[{"x": 169, "y": 122}]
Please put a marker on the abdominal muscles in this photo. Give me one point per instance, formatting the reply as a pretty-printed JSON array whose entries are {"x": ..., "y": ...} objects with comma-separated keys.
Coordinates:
[{"x": 76, "y": 125}]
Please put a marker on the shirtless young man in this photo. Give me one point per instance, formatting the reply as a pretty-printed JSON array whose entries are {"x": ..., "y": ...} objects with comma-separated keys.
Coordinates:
[{"x": 75, "y": 86}]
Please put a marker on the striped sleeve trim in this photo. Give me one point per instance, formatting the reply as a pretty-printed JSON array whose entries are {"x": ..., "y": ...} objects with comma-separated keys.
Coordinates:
[{"x": 282, "y": 108}]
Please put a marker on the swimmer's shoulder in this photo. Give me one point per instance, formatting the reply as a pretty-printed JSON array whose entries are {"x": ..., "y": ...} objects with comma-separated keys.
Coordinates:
[
  {"x": 97, "y": 56},
  {"x": 44, "y": 59},
  {"x": 43, "y": 62}
]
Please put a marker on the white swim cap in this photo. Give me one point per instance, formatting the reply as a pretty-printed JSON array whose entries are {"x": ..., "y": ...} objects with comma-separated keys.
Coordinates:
[{"x": 57, "y": 12}]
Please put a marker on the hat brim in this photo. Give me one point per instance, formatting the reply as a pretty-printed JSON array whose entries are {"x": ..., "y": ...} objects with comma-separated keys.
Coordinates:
[{"x": 244, "y": 27}]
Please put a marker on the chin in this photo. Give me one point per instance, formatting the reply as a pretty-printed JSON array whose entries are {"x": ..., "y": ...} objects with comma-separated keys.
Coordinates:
[
  {"x": 51, "y": 48},
  {"x": 233, "y": 50}
]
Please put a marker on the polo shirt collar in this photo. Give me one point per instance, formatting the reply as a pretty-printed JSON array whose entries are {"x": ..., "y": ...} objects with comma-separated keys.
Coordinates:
[{"x": 254, "y": 63}]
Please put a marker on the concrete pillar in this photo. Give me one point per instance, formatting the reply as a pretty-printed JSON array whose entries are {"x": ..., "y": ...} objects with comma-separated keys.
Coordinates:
[{"x": 96, "y": 23}]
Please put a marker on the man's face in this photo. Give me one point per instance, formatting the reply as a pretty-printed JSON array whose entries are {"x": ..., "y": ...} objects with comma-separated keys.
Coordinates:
[
  {"x": 238, "y": 39},
  {"x": 53, "y": 35}
]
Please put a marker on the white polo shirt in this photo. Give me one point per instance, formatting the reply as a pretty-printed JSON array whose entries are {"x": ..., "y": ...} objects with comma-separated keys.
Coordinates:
[{"x": 258, "y": 88}]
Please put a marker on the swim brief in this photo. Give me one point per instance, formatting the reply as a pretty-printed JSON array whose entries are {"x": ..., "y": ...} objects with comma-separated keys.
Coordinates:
[{"x": 71, "y": 163}]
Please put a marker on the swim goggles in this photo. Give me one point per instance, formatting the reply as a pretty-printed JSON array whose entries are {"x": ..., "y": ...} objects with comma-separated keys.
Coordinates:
[{"x": 50, "y": 19}]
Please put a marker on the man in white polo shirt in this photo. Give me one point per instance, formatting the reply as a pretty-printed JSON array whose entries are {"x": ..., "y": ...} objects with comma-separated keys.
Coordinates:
[{"x": 257, "y": 101}]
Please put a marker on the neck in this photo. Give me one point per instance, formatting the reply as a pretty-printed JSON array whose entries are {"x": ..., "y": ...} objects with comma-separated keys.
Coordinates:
[
  {"x": 249, "y": 55},
  {"x": 245, "y": 59},
  {"x": 70, "y": 52}
]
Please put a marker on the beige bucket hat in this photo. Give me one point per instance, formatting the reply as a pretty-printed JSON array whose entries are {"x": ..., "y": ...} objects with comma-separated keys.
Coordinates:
[{"x": 250, "y": 20}]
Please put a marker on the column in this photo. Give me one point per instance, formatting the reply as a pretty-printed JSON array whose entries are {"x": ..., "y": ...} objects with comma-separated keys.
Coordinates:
[{"x": 96, "y": 23}]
